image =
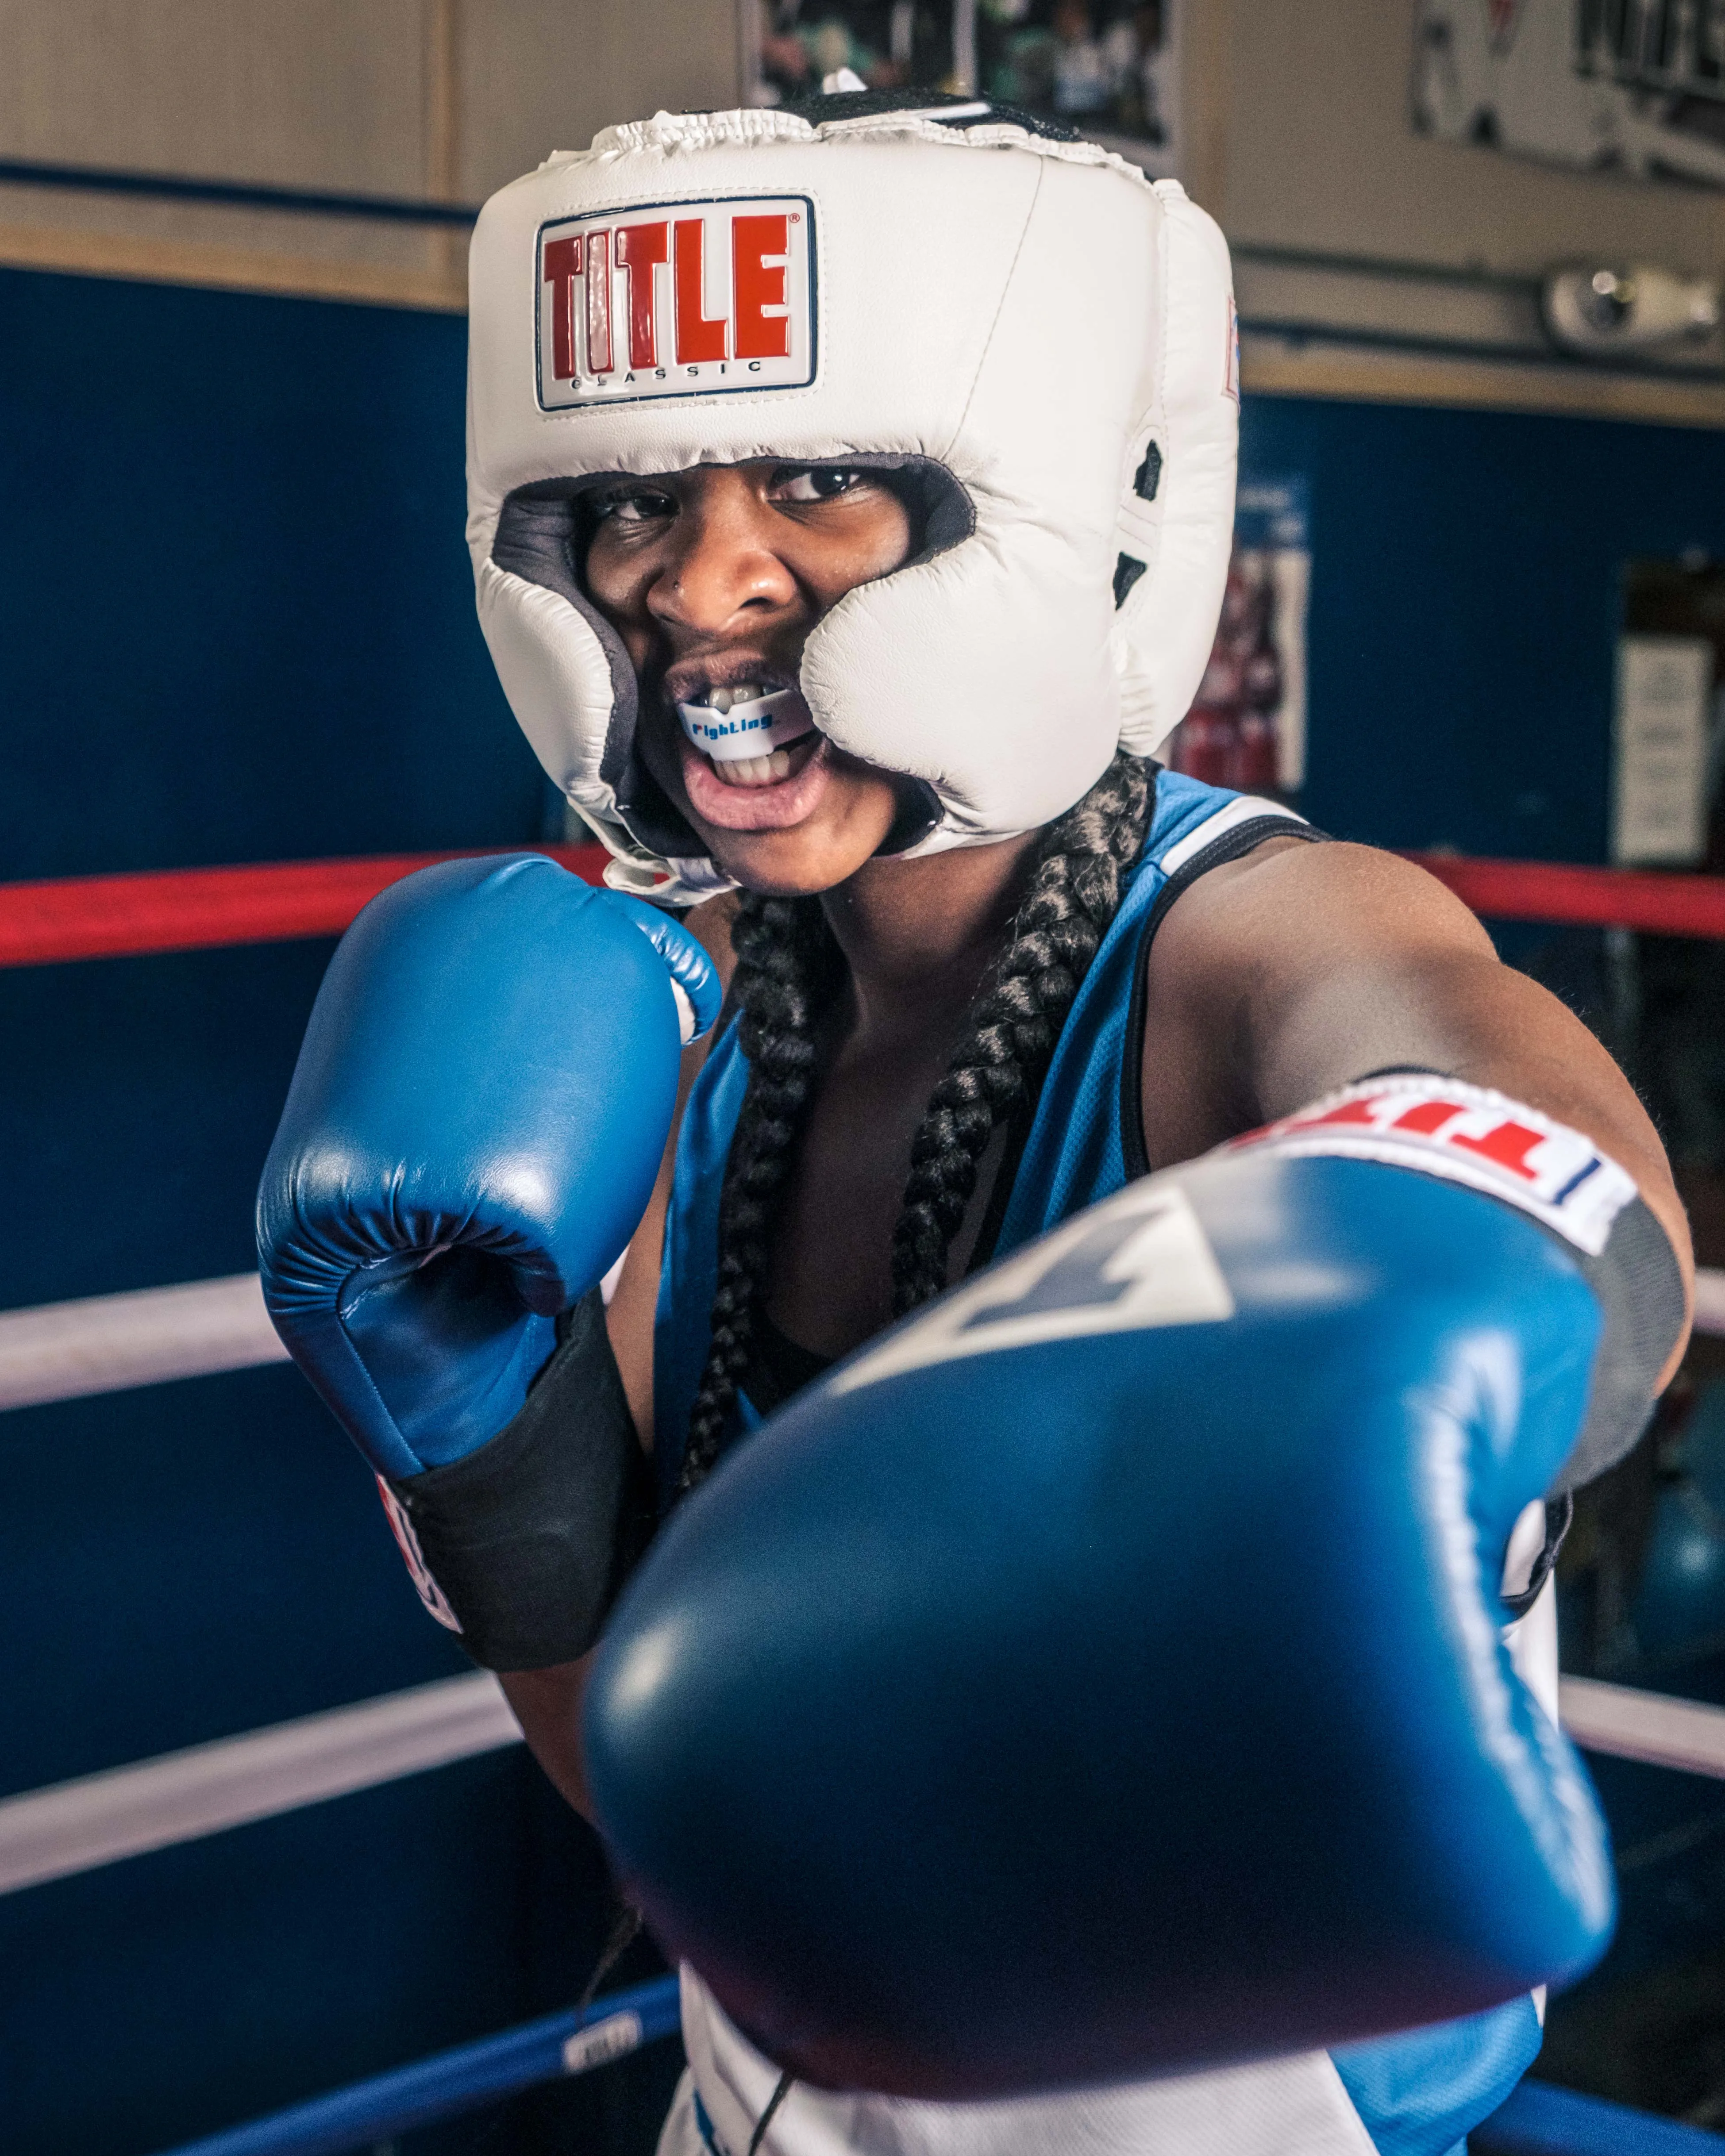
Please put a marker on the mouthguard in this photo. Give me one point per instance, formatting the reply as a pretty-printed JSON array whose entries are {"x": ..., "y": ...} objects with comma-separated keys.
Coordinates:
[{"x": 752, "y": 729}]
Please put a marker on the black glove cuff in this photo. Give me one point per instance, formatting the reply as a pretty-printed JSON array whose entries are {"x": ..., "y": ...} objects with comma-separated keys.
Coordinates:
[
  {"x": 529, "y": 1540},
  {"x": 1639, "y": 1285}
]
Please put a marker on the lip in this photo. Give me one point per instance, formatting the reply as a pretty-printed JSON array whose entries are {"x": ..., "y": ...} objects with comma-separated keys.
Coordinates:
[{"x": 774, "y": 808}]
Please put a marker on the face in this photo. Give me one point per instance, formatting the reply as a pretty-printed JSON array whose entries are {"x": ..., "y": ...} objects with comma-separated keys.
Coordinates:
[{"x": 713, "y": 578}]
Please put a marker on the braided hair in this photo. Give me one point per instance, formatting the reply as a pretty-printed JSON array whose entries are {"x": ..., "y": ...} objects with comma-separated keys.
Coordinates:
[{"x": 789, "y": 968}]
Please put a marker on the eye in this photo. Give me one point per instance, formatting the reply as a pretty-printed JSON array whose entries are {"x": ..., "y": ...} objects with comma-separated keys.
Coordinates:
[
  {"x": 819, "y": 483},
  {"x": 633, "y": 505}
]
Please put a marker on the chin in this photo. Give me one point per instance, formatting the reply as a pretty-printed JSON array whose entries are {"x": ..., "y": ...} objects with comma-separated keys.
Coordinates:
[{"x": 799, "y": 863}]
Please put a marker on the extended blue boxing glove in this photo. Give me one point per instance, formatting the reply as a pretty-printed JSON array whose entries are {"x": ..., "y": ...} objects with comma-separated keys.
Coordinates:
[
  {"x": 473, "y": 1131},
  {"x": 1100, "y": 1675}
]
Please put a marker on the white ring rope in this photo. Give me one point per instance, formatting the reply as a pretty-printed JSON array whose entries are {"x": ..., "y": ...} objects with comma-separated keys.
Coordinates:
[
  {"x": 73, "y": 1826},
  {"x": 1648, "y": 1726},
  {"x": 107, "y": 1343},
  {"x": 1709, "y": 1300}
]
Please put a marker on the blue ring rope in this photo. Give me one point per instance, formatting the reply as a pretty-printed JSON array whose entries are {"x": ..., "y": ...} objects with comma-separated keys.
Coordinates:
[
  {"x": 455, "y": 2080},
  {"x": 1538, "y": 2120}
]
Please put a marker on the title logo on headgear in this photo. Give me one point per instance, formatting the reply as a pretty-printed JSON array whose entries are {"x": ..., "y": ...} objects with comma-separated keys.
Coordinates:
[{"x": 677, "y": 299}]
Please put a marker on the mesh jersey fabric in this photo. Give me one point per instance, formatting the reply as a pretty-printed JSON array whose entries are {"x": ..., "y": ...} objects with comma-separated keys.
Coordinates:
[{"x": 1414, "y": 2094}]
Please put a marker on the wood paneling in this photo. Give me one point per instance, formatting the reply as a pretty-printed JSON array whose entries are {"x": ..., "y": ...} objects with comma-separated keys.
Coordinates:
[
  {"x": 1298, "y": 120},
  {"x": 447, "y": 98},
  {"x": 1320, "y": 152},
  {"x": 539, "y": 75},
  {"x": 294, "y": 92},
  {"x": 1272, "y": 366}
]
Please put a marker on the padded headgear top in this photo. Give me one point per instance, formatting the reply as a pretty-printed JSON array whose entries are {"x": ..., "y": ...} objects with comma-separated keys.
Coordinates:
[{"x": 1036, "y": 338}]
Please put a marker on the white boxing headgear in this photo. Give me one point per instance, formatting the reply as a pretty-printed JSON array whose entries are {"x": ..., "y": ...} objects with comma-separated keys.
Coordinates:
[{"x": 1036, "y": 340}]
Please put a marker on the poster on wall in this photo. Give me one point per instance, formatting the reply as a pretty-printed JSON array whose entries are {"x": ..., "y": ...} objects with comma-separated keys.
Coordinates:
[
  {"x": 1632, "y": 86},
  {"x": 1247, "y": 725},
  {"x": 1110, "y": 68},
  {"x": 1660, "y": 741},
  {"x": 1668, "y": 731}
]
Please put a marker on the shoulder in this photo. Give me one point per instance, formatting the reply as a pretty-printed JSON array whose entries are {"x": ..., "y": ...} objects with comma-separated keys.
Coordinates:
[
  {"x": 1294, "y": 905},
  {"x": 1328, "y": 946}
]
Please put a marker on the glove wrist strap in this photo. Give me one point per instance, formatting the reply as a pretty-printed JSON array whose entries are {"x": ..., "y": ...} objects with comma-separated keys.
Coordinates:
[{"x": 521, "y": 1547}]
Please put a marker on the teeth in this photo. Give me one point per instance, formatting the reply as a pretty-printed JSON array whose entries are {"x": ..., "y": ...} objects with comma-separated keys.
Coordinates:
[
  {"x": 741, "y": 692},
  {"x": 756, "y": 770}
]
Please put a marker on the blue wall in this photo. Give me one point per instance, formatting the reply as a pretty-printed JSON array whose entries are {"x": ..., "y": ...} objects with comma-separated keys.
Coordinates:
[
  {"x": 236, "y": 624},
  {"x": 1466, "y": 605},
  {"x": 235, "y": 609}
]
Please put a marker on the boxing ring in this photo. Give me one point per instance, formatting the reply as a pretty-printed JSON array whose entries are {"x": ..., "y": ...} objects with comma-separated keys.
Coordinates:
[{"x": 114, "y": 1343}]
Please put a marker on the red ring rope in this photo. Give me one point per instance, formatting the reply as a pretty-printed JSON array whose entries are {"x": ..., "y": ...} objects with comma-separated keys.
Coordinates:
[
  {"x": 1657, "y": 903},
  {"x": 117, "y": 917}
]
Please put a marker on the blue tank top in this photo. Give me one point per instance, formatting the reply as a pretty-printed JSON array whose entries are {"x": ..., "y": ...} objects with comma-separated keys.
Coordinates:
[{"x": 1418, "y": 2094}]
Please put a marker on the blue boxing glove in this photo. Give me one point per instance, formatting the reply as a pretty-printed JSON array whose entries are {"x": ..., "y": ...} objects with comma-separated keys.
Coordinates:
[
  {"x": 1100, "y": 1675},
  {"x": 472, "y": 1133}
]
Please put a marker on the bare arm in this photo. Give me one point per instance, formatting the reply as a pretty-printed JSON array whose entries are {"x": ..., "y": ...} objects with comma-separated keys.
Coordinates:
[
  {"x": 1304, "y": 967},
  {"x": 547, "y": 1705},
  {"x": 547, "y": 1702}
]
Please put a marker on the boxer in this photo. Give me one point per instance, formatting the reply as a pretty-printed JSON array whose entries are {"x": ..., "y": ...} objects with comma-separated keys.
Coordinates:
[{"x": 1078, "y": 1711}]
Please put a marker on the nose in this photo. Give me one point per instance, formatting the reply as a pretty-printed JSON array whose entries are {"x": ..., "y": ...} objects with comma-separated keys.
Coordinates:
[{"x": 721, "y": 569}]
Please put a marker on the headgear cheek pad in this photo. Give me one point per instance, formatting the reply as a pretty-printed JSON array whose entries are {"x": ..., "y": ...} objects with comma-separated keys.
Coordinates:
[{"x": 1036, "y": 340}]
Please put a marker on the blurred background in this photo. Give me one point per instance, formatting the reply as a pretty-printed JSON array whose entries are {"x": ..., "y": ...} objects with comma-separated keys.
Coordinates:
[{"x": 1478, "y": 610}]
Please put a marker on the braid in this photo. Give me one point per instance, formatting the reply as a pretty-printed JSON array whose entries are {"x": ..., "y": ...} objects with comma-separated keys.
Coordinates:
[
  {"x": 998, "y": 1068},
  {"x": 787, "y": 964}
]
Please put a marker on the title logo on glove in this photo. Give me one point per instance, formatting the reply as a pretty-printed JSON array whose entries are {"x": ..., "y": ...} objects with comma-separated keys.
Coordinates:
[
  {"x": 677, "y": 299},
  {"x": 1466, "y": 1134}
]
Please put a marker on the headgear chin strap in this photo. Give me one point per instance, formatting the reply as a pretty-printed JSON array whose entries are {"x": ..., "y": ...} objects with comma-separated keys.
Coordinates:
[{"x": 1034, "y": 339}]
